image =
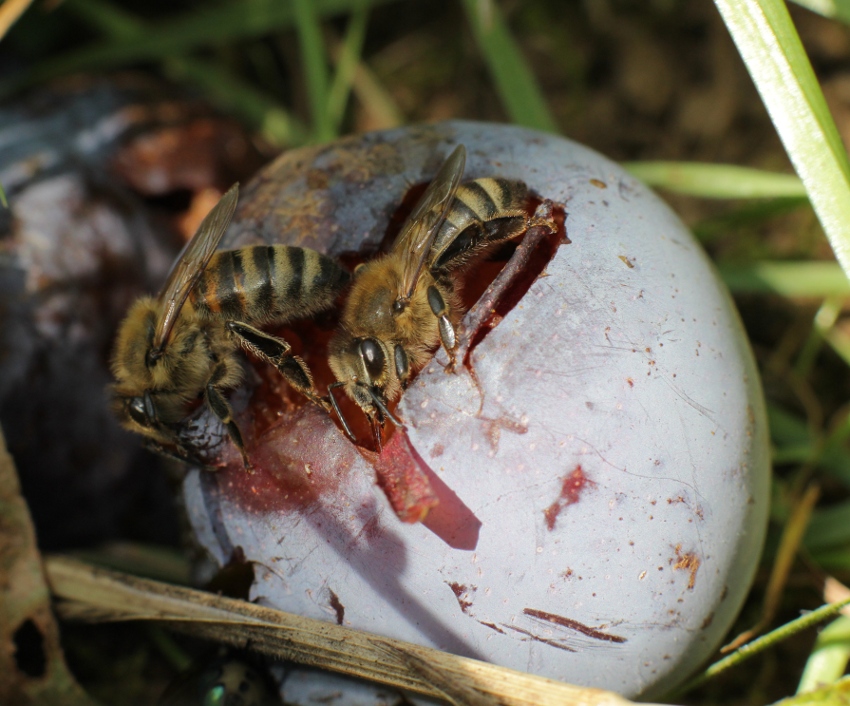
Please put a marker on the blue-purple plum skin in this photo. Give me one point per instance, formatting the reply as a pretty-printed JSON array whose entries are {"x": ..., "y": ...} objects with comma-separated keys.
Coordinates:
[{"x": 603, "y": 474}]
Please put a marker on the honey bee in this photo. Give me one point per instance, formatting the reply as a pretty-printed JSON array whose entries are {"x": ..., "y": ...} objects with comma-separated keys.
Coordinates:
[
  {"x": 406, "y": 303},
  {"x": 180, "y": 348}
]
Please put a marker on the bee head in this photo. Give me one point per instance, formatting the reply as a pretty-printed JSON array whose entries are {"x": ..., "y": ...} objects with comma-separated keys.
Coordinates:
[
  {"x": 360, "y": 365},
  {"x": 371, "y": 372}
]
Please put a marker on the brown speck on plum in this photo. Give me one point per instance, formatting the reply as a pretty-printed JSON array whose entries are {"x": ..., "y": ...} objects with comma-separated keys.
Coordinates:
[
  {"x": 630, "y": 382},
  {"x": 338, "y": 607},
  {"x": 688, "y": 561},
  {"x": 599, "y": 184},
  {"x": 572, "y": 486},
  {"x": 709, "y": 619},
  {"x": 437, "y": 451},
  {"x": 463, "y": 594},
  {"x": 594, "y": 632},
  {"x": 492, "y": 626},
  {"x": 537, "y": 638}
]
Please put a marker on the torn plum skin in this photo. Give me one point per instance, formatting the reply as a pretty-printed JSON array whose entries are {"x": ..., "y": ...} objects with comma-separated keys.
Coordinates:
[{"x": 584, "y": 496}]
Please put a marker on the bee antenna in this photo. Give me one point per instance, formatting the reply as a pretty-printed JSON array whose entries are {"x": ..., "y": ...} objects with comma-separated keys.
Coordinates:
[
  {"x": 338, "y": 411},
  {"x": 379, "y": 403}
]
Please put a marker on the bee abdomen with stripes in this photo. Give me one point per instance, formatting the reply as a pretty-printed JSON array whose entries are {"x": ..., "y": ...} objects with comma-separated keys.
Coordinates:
[
  {"x": 484, "y": 211},
  {"x": 267, "y": 284}
]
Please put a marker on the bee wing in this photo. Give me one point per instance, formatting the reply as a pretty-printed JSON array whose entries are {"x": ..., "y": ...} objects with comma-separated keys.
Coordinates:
[
  {"x": 190, "y": 264},
  {"x": 419, "y": 230}
]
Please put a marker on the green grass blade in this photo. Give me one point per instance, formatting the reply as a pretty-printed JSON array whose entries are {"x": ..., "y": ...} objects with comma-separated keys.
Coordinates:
[
  {"x": 108, "y": 19},
  {"x": 829, "y": 657},
  {"x": 222, "y": 87},
  {"x": 835, "y": 694},
  {"x": 765, "y": 642},
  {"x": 745, "y": 215},
  {"x": 788, "y": 279},
  {"x": 205, "y": 26},
  {"x": 515, "y": 82},
  {"x": 796, "y": 442},
  {"x": 228, "y": 92},
  {"x": 774, "y": 56},
  {"x": 823, "y": 322},
  {"x": 312, "y": 49},
  {"x": 829, "y": 527},
  {"x": 346, "y": 65},
  {"x": 717, "y": 181},
  {"x": 838, "y": 9}
]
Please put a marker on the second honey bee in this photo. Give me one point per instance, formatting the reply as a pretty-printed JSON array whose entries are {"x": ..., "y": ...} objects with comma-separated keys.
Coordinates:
[
  {"x": 181, "y": 348},
  {"x": 406, "y": 303}
]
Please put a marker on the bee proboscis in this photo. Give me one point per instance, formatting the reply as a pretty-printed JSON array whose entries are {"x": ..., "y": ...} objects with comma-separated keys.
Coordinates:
[
  {"x": 405, "y": 303},
  {"x": 181, "y": 348}
]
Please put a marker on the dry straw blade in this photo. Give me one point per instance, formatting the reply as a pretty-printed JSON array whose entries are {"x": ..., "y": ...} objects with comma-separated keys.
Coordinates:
[
  {"x": 10, "y": 12},
  {"x": 87, "y": 593}
]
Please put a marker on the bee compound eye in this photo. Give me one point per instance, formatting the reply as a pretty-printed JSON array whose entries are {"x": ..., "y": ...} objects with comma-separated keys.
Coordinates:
[
  {"x": 150, "y": 409},
  {"x": 136, "y": 410},
  {"x": 373, "y": 357}
]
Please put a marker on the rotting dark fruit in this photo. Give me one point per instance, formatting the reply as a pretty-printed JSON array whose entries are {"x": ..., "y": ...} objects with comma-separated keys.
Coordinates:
[
  {"x": 79, "y": 241},
  {"x": 595, "y": 472}
]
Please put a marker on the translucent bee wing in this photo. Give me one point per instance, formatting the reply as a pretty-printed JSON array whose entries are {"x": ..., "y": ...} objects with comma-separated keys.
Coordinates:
[
  {"x": 421, "y": 227},
  {"x": 190, "y": 264}
]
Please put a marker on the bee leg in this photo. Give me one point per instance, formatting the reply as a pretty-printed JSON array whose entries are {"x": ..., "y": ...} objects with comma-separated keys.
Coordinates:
[
  {"x": 221, "y": 408},
  {"x": 276, "y": 351},
  {"x": 447, "y": 331},
  {"x": 543, "y": 217},
  {"x": 339, "y": 414}
]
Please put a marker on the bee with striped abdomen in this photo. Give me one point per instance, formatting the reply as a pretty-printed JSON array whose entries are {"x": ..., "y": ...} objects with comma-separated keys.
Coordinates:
[
  {"x": 406, "y": 303},
  {"x": 180, "y": 348}
]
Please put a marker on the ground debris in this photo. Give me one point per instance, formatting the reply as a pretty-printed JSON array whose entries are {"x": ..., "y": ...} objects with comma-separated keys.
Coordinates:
[{"x": 32, "y": 666}]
